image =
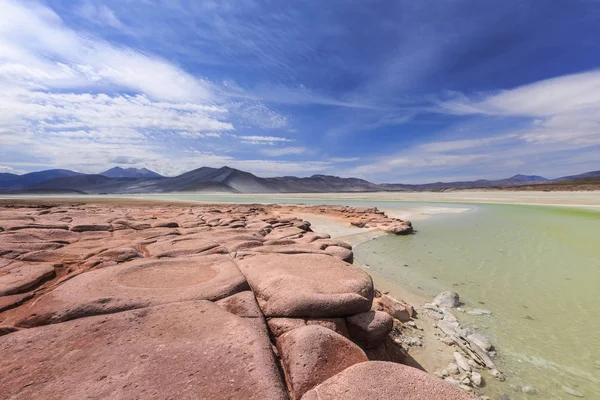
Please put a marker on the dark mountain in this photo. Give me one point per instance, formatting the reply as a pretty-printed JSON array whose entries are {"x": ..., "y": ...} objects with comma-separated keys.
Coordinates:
[
  {"x": 527, "y": 178},
  {"x": 231, "y": 180},
  {"x": 33, "y": 178},
  {"x": 118, "y": 172},
  {"x": 591, "y": 174}
]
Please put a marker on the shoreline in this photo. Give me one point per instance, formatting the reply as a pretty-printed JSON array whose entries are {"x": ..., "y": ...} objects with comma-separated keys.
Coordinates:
[{"x": 577, "y": 199}]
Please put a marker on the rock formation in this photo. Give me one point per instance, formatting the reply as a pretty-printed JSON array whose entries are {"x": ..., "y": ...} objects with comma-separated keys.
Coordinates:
[{"x": 178, "y": 301}]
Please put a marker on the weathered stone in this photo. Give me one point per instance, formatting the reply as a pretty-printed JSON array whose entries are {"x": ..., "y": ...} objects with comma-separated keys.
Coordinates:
[
  {"x": 279, "y": 326},
  {"x": 19, "y": 276},
  {"x": 312, "y": 354},
  {"x": 137, "y": 284},
  {"x": 447, "y": 299},
  {"x": 385, "y": 380},
  {"x": 91, "y": 227},
  {"x": 180, "y": 351},
  {"x": 341, "y": 253},
  {"x": 369, "y": 328},
  {"x": 14, "y": 300},
  {"x": 396, "y": 308},
  {"x": 307, "y": 285},
  {"x": 183, "y": 246},
  {"x": 461, "y": 361},
  {"x": 337, "y": 325},
  {"x": 481, "y": 341}
]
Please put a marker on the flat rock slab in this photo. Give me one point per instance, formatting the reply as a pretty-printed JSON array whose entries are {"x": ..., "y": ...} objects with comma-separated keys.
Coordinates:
[
  {"x": 312, "y": 354},
  {"x": 191, "y": 350},
  {"x": 379, "y": 380},
  {"x": 307, "y": 285},
  {"x": 19, "y": 276},
  {"x": 137, "y": 284}
]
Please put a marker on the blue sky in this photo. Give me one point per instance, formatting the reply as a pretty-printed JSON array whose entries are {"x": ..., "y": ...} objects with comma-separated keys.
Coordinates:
[{"x": 391, "y": 91}]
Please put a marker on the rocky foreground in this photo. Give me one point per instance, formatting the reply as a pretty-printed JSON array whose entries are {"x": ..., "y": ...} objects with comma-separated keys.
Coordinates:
[{"x": 181, "y": 302}]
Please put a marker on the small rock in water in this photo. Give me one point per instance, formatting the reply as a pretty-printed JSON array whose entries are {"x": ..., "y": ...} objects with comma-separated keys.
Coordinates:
[
  {"x": 481, "y": 341},
  {"x": 477, "y": 379},
  {"x": 529, "y": 317},
  {"x": 447, "y": 299},
  {"x": 528, "y": 389},
  {"x": 571, "y": 391},
  {"x": 479, "y": 312},
  {"x": 504, "y": 397}
]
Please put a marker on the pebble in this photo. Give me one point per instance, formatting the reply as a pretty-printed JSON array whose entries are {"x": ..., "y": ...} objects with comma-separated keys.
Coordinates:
[
  {"x": 528, "y": 389},
  {"x": 571, "y": 391},
  {"x": 529, "y": 317},
  {"x": 477, "y": 379},
  {"x": 479, "y": 312}
]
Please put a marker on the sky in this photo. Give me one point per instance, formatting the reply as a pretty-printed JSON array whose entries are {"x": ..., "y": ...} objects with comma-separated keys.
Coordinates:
[{"x": 390, "y": 91}]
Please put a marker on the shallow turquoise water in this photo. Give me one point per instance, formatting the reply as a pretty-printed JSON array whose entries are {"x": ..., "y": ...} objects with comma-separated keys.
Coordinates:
[{"x": 517, "y": 261}]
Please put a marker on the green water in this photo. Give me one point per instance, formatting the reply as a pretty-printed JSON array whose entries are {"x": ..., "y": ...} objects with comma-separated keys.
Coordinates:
[{"x": 541, "y": 262}]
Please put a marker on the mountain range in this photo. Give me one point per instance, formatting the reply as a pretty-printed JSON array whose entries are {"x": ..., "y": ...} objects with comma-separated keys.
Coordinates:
[{"x": 230, "y": 180}]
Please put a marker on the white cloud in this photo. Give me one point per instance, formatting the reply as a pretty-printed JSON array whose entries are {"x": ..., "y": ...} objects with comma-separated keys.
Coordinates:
[
  {"x": 284, "y": 151},
  {"x": 564, "y": 109},
  {"x": 101, "y": 15},
  {"x": 269, "y": 140}
]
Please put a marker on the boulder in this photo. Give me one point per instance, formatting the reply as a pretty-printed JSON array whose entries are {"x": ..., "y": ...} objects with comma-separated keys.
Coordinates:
[
  {"x": 312, "y": 354},
  {"x": 191, "y": 350},
  {"x": 447, "y": 299},
  {"x": 307, "y": 285},
  {"x": 137, "y": 284},
  {"x": 385, "y": 380},
  {"x": 18, "y": 277},
  {"x": 341, "y": 253},
  {"x": 399, "y": 228},
  {"x": 370, "y": 328}
]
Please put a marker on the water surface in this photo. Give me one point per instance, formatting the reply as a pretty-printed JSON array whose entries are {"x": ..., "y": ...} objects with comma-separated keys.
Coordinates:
[{"x": 536, "y": 268}]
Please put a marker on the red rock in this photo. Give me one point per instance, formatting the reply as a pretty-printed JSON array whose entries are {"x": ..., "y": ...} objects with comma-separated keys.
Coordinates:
[
  {"x": 14, "y": 300},
  {"x": 341, "y": 253},
  {"x": 337, "y": 325},
  {"x": 14, "y": 250},
  {"x": 136, "y": 284},
  {"x": 284, "y": 233},
  {"x": 369, "y": 328},
  {"x": 384, "y": 380},
  {"x": 18, "y": 276},
  {"x": 181, "y": 246},
  {"x": 91, "y": 227},
  {"x": 244, "y": 305},
  {"x": 312, "y": 354},
  {"x": 307, "y": 285},
  {"x": 279, "y": 326},
  {"x": 191, "y": 350},
  {"x": 38, "y": 226}
]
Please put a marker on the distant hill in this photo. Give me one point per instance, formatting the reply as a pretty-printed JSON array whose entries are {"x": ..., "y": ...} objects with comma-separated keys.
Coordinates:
[
  {"x": 23, "y": 181},
  {"x": 231, "y": 180},
  {"x": 118, "y": 172},
  {"x": 591, "y": 174}
]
